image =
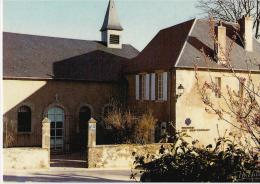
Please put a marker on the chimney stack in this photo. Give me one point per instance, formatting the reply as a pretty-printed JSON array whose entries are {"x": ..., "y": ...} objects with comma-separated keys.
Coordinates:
[
  {"x": 246, "y": 32},
  {"x": 220, "y": 46}
]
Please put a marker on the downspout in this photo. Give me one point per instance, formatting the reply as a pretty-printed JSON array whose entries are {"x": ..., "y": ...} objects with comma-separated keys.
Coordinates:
[{"x": 172, "y": 74}]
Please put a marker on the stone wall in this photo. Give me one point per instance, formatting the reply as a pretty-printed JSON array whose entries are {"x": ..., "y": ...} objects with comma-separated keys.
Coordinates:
[
  {"x": 118, "y": 156},
  {"x": 42, "y": 95},
  {"x": 25, "y": 158},
  {"x": 202, "y": 125}
]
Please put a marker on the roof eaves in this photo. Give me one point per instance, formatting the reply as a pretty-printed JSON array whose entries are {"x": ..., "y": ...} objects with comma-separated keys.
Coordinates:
[
  {"x": 185, "y": 42},
  {"x": 53, "y": 79},
  {"x": 217, "y": 69}
]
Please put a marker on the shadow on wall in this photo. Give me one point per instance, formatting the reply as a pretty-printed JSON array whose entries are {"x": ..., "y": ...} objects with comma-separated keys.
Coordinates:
[
  {"x": 92, "y": 79},
  {"x": 93, "y": 66}
]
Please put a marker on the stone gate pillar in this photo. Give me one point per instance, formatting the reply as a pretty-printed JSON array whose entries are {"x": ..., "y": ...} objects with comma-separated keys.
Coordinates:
[
  {"x": 92, "y": 123},
  {"x": 46, "y": 125}
]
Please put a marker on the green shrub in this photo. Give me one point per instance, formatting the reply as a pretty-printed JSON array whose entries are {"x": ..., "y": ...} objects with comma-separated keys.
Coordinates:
[{"x": 226, "y": 161}]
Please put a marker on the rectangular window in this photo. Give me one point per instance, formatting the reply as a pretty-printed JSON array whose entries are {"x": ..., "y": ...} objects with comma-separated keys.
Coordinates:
[
  {"x": 142, "y": 86},
  {"x": 218, "y": 87},
  {"x": 114, "y": 39}
]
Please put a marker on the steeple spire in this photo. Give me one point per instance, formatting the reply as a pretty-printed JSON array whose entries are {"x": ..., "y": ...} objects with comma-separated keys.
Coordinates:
[
  {"x": 111, "y": 29},
  {"x": 111, "y": 21}
]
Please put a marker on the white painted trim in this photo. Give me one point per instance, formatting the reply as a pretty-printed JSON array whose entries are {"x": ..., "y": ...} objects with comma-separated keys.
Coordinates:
[
  {"x": 219, "y": 69},
  {"x": 137, "y": 86},
  {"x": 165, "y": 86},
  {"x": 185, "y": 43},
  {"x": 153, "y": 86},
  {"x": 147, "y": 87}
]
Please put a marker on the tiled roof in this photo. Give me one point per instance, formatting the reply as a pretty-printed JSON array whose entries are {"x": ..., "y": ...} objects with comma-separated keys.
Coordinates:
[
  {"x": 180, "y": 46},
  {"x": 59, "y": 58},
  {"x": 163, "y": 51},
  {"x": 200, "y": 38}
]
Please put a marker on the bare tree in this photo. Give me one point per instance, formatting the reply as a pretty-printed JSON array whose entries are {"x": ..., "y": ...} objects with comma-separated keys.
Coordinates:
[
  {"x": 232, "y": 10},
  {"x": 240, "y": 108}
]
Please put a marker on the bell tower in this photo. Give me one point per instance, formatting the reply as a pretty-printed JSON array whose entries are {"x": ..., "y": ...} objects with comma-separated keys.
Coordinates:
[{"x": 111, "y": 30}]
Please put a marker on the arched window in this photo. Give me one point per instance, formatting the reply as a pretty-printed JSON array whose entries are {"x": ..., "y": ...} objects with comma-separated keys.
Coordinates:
[
  {"x": 56, "y": 115},
  {"x": 24, "y": 119},
  {"x": 84, "y": 116}
]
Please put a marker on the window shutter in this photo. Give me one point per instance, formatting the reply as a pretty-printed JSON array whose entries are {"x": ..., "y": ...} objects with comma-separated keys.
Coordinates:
[
  {"x": 153, "y": 86},
  {"x": 147, "y": 86},
  {"x": 137, "y": 87},
  {"x": 165, "y": 85}
]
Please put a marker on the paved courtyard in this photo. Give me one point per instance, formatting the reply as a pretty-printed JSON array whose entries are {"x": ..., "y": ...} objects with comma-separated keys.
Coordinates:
[
  {"x": 68, "y": 168},
  {"x": 69, "y": 175}
]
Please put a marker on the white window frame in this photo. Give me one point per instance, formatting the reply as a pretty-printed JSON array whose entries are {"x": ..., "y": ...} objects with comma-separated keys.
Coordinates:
[
  {"x": 137, "y": 87},
  {"x": 153, "y": 86},
  {"x": 147, "y": 86},
  {"x": 165, "y": 86},
  {"x": 142, "y": 86},
  {"x": 160, "y": 86}
]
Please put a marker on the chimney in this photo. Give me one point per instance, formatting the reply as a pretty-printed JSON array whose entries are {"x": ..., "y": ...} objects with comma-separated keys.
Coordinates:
[
  {"x": 246, "y": 32},
  {"x": 220, "y": 46}
]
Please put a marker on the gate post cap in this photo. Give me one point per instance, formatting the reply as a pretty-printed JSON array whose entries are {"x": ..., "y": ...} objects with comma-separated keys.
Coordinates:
[
  {"x": 46, "y": 120},
  {"x": 92, "y": 120}
]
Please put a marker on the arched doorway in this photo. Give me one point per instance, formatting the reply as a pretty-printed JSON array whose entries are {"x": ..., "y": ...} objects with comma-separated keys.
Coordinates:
[
  {"x": 56, "y": 115},
  {"x": 84, "y": 116}
]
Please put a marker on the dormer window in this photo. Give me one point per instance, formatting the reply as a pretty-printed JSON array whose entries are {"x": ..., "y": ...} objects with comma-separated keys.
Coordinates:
[{"x": 114, "y": 39}]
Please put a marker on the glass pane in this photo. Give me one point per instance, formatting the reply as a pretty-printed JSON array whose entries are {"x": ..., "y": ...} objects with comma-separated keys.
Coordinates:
[
  {"x": 59, "y": 124},
  {"x": 51, "y": 117},
  {"x": 51, "y": 111},
  {"x": 58, "y": 117},
  {"x": 52, "y": 142},
  {"x": 58, "y": 110},
  {"x": 58, "y": 132},
  {"x": 52, "y": 124},
  {"x": 24, "y": 109},
  {"x": 52, "y": 132},
  {"x": 59, "y": 141}
]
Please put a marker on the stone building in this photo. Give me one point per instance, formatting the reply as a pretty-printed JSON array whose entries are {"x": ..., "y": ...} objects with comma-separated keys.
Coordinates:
[
  {"x": 162, "y": 76},
  {"x": 66, "y": 80},
  {"x": 70, "y": 80}
]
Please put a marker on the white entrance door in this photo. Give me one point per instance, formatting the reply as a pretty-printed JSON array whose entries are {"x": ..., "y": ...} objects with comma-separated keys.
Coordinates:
[{"x": 56, "y": 115}]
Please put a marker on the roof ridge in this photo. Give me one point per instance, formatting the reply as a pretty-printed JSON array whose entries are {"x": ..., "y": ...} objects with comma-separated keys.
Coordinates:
[
  {"x": 54, "y": 37},
  {"x": 46, "y": 36},
  {"x": 185, "y": 42},
  {"x": 177, "y": 24}
]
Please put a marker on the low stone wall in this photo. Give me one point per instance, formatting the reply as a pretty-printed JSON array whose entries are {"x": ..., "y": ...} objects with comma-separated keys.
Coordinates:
[
  {"x": 26, "y": 158},
  {"x": 118, "y": 156}
]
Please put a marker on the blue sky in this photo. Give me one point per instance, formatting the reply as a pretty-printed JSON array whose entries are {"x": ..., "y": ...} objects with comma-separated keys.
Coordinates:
[{"x": 82, "y": 19}]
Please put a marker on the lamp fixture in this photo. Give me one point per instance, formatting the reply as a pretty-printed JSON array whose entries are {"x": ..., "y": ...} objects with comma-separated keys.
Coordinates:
[{"x": 180, "y": 91}]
